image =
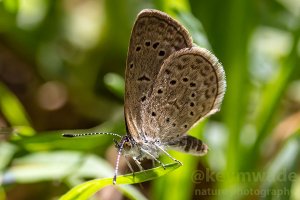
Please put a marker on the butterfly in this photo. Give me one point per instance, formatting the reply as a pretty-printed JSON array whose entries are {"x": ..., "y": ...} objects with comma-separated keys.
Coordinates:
[{"x": 170, "y": 85}]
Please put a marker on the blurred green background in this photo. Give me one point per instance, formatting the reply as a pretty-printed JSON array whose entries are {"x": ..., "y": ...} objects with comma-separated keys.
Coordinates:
[{"x": 62, "y": 67}]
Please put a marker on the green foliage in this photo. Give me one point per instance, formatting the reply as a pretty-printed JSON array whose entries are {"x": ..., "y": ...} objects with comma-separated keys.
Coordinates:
[
  {"x": 62, "y": 71},
  {"x": 87, "y": 189},
  {"x": 12, "y": 108}
]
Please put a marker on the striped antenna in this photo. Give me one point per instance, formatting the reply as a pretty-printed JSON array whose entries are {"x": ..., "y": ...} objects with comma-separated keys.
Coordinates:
[
  {"x": 89, "y": 134},
  {"x": 120, "y": 145}
]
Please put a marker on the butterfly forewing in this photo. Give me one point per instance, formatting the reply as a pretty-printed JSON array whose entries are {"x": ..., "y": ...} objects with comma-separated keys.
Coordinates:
[
  {"x": 155, "y": 36},
  {"x": 190, "y": 86}
]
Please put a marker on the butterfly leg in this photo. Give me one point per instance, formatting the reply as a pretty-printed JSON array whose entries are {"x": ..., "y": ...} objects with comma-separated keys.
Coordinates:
[
  {"x": 154, "y": 158},
  {"x": 129, "y": 165},
  {"x": 153, "y": 163},
  {"x": 174, "y": 159},
  {"x": 138, "y": 163}
]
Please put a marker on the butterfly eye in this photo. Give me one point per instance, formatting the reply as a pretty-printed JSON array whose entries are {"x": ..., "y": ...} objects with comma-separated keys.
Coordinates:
[{"x": 127, "y": 146}]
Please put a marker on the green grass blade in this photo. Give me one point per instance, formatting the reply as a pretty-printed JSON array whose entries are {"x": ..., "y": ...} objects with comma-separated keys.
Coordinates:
[
  {"x": 115, "y": 83},
  {"x": 87, "y": 189},
  {"x": 12, "y": 108}
]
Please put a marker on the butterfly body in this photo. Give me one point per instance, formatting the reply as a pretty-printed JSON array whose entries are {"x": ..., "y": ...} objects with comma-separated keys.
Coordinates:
[{"x": 137, "y": 150}]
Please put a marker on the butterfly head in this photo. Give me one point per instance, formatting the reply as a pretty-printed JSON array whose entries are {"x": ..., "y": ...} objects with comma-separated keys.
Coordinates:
[
  {"x": 128, "y": 144},
  {"x": 125, "y": 145}
]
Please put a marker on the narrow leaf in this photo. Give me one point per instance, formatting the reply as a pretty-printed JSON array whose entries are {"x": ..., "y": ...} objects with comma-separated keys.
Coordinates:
[{"x": 87, "y": 189}]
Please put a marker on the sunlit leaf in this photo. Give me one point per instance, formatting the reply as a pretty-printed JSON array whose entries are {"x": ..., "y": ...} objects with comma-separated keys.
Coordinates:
[
  {"x": 115, "y": 83},
  {"x": 12, "y": 108},
  {"x": 87, "y": 189}
]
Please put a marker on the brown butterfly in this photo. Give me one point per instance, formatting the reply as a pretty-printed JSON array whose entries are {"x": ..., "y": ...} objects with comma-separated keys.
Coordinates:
[{"x": 170, "y": 85}]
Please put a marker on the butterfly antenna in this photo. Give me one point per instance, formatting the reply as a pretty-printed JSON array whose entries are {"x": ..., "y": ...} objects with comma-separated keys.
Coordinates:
[
  {"x": 118, "y": 159},
  {"x": 89, "y": 134}
]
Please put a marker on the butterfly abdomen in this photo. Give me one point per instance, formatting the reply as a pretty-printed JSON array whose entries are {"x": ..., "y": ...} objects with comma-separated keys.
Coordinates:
[{"x": 189, "y": 144}]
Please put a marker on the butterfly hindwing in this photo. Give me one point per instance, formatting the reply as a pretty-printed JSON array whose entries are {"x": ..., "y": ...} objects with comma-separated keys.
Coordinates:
[{"x": 155, "y": 36}]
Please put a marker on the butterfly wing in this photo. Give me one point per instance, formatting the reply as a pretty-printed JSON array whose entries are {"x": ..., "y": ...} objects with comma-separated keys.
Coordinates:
[
  {"x": 155, "y": 36},
  {"x": 189, "y": 86}
]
